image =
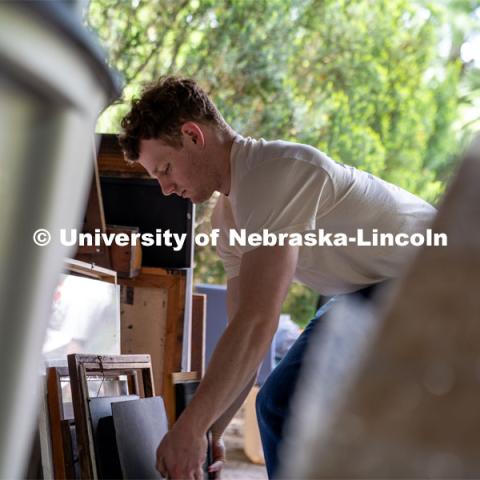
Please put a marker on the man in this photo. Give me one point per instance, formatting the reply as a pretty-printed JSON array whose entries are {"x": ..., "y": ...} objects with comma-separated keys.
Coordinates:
[{"x": 176, "y": 133}]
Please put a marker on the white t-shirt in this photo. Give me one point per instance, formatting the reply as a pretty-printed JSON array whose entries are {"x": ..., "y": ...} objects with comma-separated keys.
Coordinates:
[{"x": 292, "y": 188}]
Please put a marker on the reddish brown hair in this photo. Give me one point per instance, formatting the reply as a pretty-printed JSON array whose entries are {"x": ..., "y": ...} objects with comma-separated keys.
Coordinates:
[{"x": 161, "y": 111}]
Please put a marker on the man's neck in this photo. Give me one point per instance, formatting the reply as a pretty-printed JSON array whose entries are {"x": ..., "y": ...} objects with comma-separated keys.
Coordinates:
[
  {"x": 228, "y": 164},
  {"x": 221, "y": 152}
]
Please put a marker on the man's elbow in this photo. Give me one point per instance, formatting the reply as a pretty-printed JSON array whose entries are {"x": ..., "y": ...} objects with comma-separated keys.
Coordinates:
[{"x": 261, "y": 326}]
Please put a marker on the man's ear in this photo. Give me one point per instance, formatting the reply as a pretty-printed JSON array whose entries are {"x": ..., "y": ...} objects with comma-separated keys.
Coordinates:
[{"x": 192, "y": 132}]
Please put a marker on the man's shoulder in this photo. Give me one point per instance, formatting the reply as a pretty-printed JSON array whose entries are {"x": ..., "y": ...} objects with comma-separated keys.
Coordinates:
[
  {"x": 274, "y": 157},
  {"x": 287, "y": 149}
]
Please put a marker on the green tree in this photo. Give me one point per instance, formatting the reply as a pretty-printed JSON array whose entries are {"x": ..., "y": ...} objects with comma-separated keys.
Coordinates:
[{"x": 362, "y": 80}]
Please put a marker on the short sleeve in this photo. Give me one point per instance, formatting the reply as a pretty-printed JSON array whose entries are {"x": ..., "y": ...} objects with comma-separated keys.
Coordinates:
[
  {"x": 282, "y": 195},
  {"x": 222, "y": 219}
]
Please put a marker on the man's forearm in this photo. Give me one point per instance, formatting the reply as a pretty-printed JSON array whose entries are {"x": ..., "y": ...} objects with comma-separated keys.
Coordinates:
[
  {"x": 222, "y": 423},
  {"x": 232, "y": 366},
  {"x": 265, "y": 275}
]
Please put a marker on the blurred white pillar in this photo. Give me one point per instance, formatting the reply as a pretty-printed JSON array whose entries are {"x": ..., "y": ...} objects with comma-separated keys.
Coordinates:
[{"x": 53, "y": 85}]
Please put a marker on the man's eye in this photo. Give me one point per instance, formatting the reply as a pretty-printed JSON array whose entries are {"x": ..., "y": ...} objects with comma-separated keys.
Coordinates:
[{"x": 167, "y": 170}]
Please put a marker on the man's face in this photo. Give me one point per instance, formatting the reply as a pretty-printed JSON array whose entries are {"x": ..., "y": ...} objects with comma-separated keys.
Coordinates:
[{"x": 183, "y": 171}]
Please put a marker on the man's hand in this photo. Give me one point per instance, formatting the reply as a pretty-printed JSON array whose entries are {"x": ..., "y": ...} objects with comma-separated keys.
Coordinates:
[
  {"x": 218, "y": 451},
  {"x": 181, "y": 454}
]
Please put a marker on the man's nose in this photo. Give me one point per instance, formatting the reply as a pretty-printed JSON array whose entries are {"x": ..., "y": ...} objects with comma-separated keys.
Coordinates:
[{"x": 167, "y": 187}]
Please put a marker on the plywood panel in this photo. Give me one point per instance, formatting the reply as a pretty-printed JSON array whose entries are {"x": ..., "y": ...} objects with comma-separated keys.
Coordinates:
[
  {"x": 161, "y": 338},
  {"x": 143, "y": 326}
]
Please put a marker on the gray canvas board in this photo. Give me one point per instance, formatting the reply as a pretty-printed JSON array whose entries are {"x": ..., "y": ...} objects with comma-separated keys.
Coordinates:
[
  {"x": 108, "y": 463},
  {"x": 139, "y": 426},
  {"x": 102, "y": 407}
]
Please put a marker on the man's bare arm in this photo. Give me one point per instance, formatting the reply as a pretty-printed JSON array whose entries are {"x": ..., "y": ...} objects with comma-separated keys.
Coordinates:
[
  {"x": 218, "y": 428},
  {"x": 265, "y": 276},
  {"x": 232, "y": 306}
]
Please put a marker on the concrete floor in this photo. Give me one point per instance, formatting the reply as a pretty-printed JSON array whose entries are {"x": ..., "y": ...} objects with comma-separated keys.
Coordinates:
[{"x": 238, "y": 466}]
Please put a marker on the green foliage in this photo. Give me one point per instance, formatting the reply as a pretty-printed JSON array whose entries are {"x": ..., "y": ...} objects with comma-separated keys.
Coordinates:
[
  {"x": 300, "y": 303},
  {"x": 362, "y": 80}
]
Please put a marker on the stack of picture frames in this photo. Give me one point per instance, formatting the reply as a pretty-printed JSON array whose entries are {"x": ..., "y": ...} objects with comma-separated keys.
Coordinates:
[
  {"x": 105, "y": 420},
  {"x": 104, "y": 413}
]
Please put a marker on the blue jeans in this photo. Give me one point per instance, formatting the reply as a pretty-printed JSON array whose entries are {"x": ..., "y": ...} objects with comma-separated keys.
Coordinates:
[{"x": 273, "y": 400}]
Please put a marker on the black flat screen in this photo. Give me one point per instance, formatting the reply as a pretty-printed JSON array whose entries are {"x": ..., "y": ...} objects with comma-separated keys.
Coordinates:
[{"x": 139, "y": 202}]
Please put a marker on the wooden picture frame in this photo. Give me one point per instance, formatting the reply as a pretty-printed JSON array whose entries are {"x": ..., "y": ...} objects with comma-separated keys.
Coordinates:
[
  {"x": 61, "y": 449},
  {"x": 80, "y": 367}
]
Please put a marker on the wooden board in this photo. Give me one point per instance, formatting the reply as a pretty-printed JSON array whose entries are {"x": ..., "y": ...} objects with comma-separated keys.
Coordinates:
[
  {"x": 126, "y": 260},
  {"x": 153, "y": 333},
  {"x": 90, "y": 270},
  {"x": 199, "y": 325},
  {"x": 55, "y": 411},
  {"x": 143, "y": 313},
  {"x": 111, "y": 160},
  {"x": 69, "y": 434}
]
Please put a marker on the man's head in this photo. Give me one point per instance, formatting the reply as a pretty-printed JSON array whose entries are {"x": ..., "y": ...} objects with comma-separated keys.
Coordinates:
[
  {"x": 162, "y": 110},
  {"x": 171, "y": 130}
]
